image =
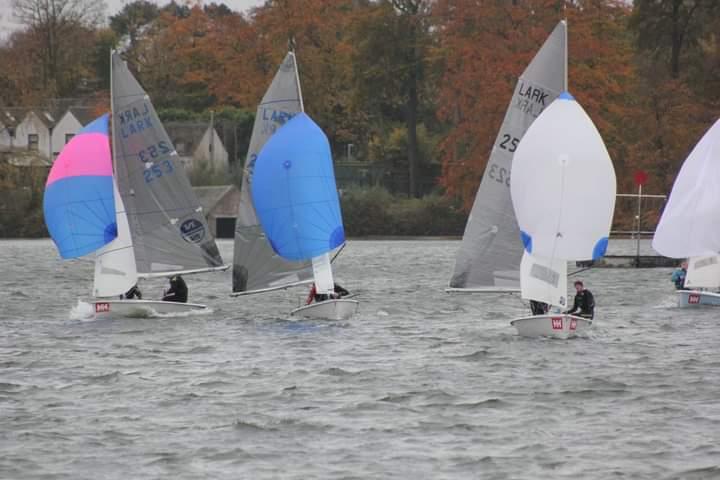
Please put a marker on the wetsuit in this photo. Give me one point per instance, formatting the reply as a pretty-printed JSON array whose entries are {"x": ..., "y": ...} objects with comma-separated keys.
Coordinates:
[
  {"x": 134, "y": 292},
  {"x": 178, "y": 291},
  {"x": 584, "y": 305},
  {"x": 339, "y": 292}
]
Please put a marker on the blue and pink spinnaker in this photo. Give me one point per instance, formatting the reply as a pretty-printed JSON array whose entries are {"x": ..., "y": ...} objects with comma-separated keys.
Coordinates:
[{"x": 78, "y": 204}]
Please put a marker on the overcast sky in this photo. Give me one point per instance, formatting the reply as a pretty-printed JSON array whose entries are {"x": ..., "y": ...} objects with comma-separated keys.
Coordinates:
[{"x": 7, "y": 22}]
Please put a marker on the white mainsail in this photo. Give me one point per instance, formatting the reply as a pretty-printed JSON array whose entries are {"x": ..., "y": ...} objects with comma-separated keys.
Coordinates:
[
  {"x": 115, "y": 271},
  {"x": 322, "y": 274},
  {"x": 490, "y": 254},
  {"x": 688, "y": 225},
  {"x": 703, "y": 272},
  {"x": 543, "y": 280}
]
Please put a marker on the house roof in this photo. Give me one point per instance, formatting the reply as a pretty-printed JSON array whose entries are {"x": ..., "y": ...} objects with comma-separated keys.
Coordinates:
[
  {"x": 49, "y": 114},
  {"x": 84, "y": 115},
  {"x": 189, "y": 133},
  {"x": 210, "y": 196},
  {"x": 12, "y": 117}
]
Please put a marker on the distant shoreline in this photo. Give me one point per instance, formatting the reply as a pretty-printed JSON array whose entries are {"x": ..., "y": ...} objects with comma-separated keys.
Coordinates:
[{"x": 368, "y": 238}]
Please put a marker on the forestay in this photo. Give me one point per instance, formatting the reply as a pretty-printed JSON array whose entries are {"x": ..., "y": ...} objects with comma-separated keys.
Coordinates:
[
  {"x": 489, "y": 257},
  {"x": 168, "y": 226},
  {"x": 544, "y": 280},
  {"x": 256, "y": 267},
  {"x": 703, "y": 272},
  {"x": 78, "y": 203},
  {"x": 689, "y": 223},
  {"x": 563, "y": 187}
]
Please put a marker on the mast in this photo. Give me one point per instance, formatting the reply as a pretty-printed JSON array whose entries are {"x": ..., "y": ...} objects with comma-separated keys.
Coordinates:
[
  {"x": 297, "y": 73},
  {"x": 112, "y": 111},
  {"x": 565, "y": 86}
]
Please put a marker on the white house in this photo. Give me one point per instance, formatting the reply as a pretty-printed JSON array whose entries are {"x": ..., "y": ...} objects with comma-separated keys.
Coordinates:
[
  {"x": 32, "y": 133},
  {"x": 41, "y": 132},
  {"x": 71, "y": 122},
  {"x": 198, "y": 143}
]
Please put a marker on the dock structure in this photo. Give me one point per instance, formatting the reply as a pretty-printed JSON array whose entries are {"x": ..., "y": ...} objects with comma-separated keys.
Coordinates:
[{"x": 631, "y": 261}]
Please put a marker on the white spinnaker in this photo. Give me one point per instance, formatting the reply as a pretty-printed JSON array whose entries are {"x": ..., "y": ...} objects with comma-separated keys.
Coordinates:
[
  {"x": 689, "y": 223},
  {"x": 115, "y": 271},
  {"x": 703, "y": 272},
  {"x": 563, "y": 185},
  {"x": 543, "y": 280},
  {"x": 322, "y": 273}
]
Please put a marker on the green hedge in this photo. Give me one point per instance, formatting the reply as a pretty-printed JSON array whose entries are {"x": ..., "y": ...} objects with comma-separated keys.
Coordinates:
[
  {"x": 374, "y": 212},
  {"x": 366, "y": 212}
]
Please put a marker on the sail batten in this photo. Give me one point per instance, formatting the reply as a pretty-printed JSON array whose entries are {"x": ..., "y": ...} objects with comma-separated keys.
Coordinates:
[
  {"x": 491, "y": 250},
  {"x": 166, "y": 220}
]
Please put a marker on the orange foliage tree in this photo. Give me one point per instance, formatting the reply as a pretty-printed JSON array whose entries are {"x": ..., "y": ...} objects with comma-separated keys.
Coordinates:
[{"x": 487, "y": 48}]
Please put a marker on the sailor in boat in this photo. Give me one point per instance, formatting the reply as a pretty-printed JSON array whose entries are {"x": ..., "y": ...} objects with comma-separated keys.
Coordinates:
[
  {"x": 584, "y": 305},
  {"x": 539, "y": 308},
  {"x": 339, "y": 292},
  {"x": 134, "y": 292},
  {"x": 178, "y": 291},
  {"x": 678, "y": 276}
]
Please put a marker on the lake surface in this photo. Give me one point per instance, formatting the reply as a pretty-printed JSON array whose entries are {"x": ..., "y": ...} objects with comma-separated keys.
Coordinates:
[{"x": 421, "y": 384}]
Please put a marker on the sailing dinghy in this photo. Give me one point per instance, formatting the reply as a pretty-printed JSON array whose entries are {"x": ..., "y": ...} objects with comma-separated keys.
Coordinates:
[
  {"x": 703, "y": 273},
  {"x": 296, "y": 201},
  {"x": 688, "y": 225},
  {"x": 257, "y": 266},
  {"x": 561, "y": 217},
  {"x": 490, "y": 253},
  {"x": 141, "y": 218}
]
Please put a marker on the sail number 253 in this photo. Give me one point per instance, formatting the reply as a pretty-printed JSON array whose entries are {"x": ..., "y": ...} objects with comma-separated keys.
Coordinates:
[
  {"x": 150, "y": 154},
  {"x": 502, "y": 174}
]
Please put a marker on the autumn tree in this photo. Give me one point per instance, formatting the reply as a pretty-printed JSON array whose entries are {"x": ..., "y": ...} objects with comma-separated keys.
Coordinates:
[
  {"x": 669, "y": 28},
  {"x": 58, "y": 27},
  {"x": 133, "y": 18},
  {"x": 391, "y": 46},
  {"x": 484, "y": 51}
]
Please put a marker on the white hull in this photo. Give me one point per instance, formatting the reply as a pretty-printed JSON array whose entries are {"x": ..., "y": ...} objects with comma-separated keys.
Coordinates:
[
  {"x": 555, "y": 326},
  {"x": 141, "y": 308},
  {"x": 694, "y": 298},
  {"x": 338, "y": 309}
]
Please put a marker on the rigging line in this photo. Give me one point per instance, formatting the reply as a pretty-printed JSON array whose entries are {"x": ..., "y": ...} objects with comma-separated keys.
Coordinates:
[{"x": 579, "y": 271}]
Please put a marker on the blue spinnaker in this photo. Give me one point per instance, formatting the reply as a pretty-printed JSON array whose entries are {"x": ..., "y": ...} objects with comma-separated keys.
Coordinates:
[{"x": 294, "y": 191}]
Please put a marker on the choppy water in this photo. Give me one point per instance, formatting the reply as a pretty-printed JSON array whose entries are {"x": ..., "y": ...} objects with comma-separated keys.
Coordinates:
[{"x": 420, "y": 385}]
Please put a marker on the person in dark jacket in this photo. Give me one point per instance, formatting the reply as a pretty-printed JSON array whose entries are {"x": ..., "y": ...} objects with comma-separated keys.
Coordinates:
[
  {"x": 678, "y": 276},
  {"x": 584, "y": 305},
  {"x": 134, "y": 292},
  {"x": 178, "y": 291},
  {"x": 539, "y": 308},
  {"x": 339, "y": 292}
]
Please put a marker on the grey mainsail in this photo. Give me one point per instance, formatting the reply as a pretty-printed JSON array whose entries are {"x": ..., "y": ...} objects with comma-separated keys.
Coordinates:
[
  {"x": 256, "y": 267},
  {"x": 491, "y": 250},
  {"x": 168, "y": 226}
]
